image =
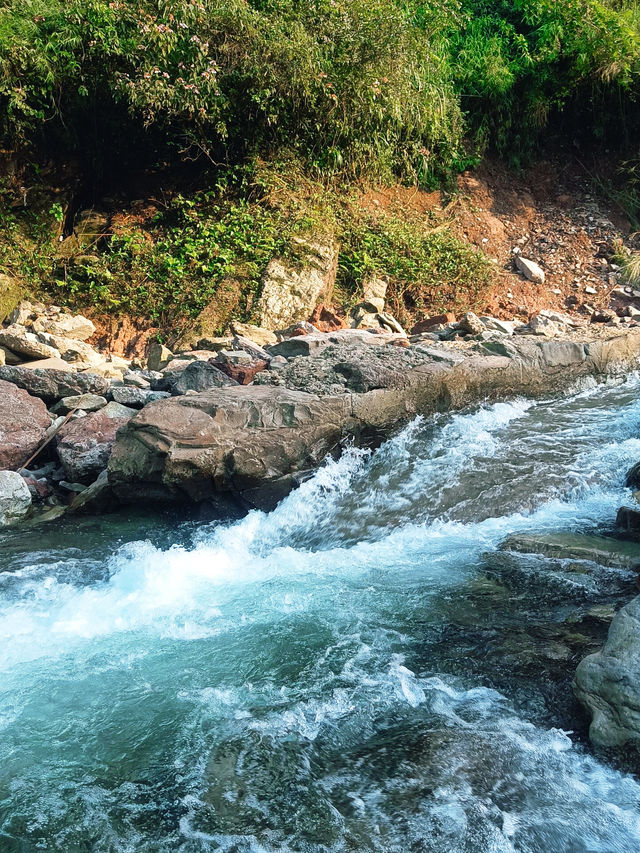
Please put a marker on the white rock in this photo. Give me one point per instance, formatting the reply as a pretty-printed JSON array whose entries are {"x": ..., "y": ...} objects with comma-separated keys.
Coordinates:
[
  {"x": 19, "y": 340},
  {"x": 77, "y": 327},
  {"x": 15, "y": 497},
  {"x": 529, "y": 269}
]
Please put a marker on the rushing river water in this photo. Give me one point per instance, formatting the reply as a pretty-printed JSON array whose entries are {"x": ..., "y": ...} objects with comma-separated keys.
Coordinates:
[{"x": 360, "y": 670}]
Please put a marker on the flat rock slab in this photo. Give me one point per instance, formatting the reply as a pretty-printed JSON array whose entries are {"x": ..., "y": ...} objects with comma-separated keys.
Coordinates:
[{"x": 576, "y": 546}]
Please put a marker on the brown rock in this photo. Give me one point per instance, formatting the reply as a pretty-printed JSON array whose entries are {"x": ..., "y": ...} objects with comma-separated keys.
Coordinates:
[
  {"x": 430, "y": 322},
  {"x": 325, "y": 320},
  {"x": 243, "y": 374},
  {"x": 84, "y": 446},
  {"x": 23, "y": 422}
]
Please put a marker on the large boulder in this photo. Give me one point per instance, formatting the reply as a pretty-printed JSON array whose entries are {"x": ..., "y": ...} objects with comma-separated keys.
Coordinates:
[
  {"x": 15, "y": 497},
  {"x": 290, "y": 291},
  {"x": 84, "y": 446},
  {"x": 239, "y": 443},
  {"x": 52, "y": 385},
  {"x": 23, "y": 422},
  {"x": 608, "y": 682},
  {"x": 198, "y": 376},
  {"x": 252, "y": 443}
]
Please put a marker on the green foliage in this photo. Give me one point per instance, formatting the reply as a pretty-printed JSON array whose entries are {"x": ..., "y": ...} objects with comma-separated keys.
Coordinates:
[
  {"x": 429, "y": 269},
  {"x": 353, "y": 86}
]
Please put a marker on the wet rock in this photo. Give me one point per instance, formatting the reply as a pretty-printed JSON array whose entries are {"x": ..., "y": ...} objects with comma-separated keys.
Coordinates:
[
  {"x": 96, "y": 498},
  {"x": 608, "y": 682},
  {"x": 19, "y": 340},
  {"x": 15, "y": 498},
  {"x": 290, "y": 292},
  {"x": 602, "y": 550},
  {"x": 84, "y": 446},
  {"x": 199, "y": 376},
  {"x": 247, "y": 444},
  {"x": 23, "y": 423},
  {"x": 632, "y": 480},
  {"x": 86, "y": 402},
  {"x": 255, "y": 442},
  {"x": 529, "y": 269},
  {"x": 628, "y": 522},
  {"x": 39, "y": 489},
  {"x": 52, "y": 385},
  {"x": 136, "y": 398}
]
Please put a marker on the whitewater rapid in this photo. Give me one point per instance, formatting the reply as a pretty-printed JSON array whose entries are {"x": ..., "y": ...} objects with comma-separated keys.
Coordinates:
[{"x": 279, "y": 683}]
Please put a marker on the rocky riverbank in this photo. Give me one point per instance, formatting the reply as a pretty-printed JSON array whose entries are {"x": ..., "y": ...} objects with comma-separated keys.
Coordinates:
[{"x": 239, "y": 420}]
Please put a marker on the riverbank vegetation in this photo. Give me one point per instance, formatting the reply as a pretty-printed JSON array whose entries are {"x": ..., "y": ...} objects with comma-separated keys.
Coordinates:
[{"x": 114, "y": 99}]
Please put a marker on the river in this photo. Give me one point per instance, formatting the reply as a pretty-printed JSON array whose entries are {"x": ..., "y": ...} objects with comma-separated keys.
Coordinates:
[{"x": 361, "y": 669}]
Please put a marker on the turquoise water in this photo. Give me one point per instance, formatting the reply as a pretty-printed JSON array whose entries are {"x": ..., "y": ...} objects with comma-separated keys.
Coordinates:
[{"x": 359, "y": 670}]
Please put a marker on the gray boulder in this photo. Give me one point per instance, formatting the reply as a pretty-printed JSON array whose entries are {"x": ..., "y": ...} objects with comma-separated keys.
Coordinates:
[
  {"x": 15, "y": 497},
  {"x": 200, "y": 376},
  {"x": 52, "y": 385},
  {"x": 608, "y": 682},
  {"x": 136, "y": 398}
]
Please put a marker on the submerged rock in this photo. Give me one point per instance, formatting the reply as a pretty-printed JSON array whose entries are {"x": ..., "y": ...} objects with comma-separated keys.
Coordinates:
[
  {"x": 578, "y": 546},
  {"x": 608, "y": 682}
]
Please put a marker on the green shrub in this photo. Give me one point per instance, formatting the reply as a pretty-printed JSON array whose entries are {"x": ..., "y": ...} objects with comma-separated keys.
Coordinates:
[{"x": 353, "y": 86}]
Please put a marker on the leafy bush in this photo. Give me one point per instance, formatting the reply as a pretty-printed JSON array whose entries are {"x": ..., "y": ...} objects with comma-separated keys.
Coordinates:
[{"x": 354, "y": 86}]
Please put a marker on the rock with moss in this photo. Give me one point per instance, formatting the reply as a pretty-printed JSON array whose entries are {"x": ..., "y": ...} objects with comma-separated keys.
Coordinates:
[{"x": 11, "y": 292}]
